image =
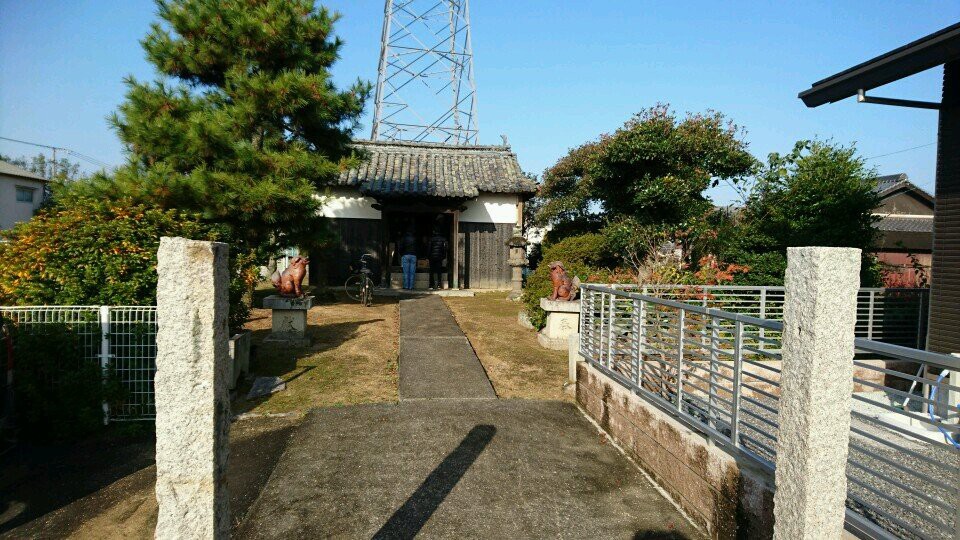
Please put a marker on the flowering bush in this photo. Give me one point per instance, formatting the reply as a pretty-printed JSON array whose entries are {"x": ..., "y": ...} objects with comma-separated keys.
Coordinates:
[{"x": 101, "y": 253}]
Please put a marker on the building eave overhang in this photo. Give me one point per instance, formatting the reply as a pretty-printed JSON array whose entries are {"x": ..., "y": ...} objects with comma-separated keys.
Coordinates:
[{"x": 927, "y": 52}]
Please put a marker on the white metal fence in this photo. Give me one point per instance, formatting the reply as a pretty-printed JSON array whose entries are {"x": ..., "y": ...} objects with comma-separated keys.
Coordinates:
[
  {"x": 719, "y": 372},
  {"x": 891, "y": 315},
  {"x": 120, "y": 339}
]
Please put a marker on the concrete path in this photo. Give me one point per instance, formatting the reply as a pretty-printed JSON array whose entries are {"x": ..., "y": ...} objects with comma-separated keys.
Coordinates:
[
  {"x": 452, "y": 461},
  {"x": 458, "y": 469},
  {"x": 436, "y": 359}
]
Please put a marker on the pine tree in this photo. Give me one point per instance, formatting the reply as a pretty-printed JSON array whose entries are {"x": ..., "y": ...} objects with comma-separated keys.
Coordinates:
[{"x": 245, "y": 125}]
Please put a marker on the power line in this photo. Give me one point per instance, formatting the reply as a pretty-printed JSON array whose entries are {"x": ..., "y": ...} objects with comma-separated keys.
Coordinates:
[
  {"x": 902, "y": 151},
  {"x": 74, "y": 153}
]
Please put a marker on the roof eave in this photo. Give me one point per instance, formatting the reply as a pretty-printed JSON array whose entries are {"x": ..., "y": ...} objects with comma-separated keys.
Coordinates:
[{"x": 927, "y": 52}]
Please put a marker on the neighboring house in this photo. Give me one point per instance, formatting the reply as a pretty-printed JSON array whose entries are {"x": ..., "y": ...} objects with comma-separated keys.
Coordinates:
[
  {"x": 905, "y": 241},
  {"x": 473, "y": 195},
  {"x": 21, "y": 193},
  {"x": 939, "y": 48}
]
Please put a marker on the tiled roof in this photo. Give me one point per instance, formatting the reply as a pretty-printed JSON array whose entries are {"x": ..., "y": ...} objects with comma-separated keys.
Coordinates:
[
  {"x": 407, "y": 169},
  {"x": 9, "y": 169},
  {"x": 895, "y": 223},
  {"x": 890, "y": 183}
]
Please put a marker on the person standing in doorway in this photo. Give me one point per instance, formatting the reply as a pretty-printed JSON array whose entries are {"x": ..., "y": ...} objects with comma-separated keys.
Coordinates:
[
  {"x": 408, "y": 258},
  {"x": 437, "y": 252}
]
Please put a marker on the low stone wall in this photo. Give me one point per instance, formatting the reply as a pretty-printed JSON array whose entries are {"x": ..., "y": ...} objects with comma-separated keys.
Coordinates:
[{"x": 728, "y": 497}]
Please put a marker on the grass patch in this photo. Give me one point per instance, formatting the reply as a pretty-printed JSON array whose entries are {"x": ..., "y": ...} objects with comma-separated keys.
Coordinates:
[
  {"x": 352, "y": 358},
  {"x": 516, "y": 364}
]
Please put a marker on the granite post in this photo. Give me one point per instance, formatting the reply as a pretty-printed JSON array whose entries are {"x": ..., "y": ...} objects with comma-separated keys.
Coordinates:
[
  {"x": 820, "y": 313},
  {"x": 192, "y": 400}
]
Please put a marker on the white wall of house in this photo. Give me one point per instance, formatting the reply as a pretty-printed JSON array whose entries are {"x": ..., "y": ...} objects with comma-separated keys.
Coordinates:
[
  {"x": 491, "y": 208},
  {"x": 486, "y": 208},
  {"x": 13, "y": 211},
  {"x": 348, "y": 203}
]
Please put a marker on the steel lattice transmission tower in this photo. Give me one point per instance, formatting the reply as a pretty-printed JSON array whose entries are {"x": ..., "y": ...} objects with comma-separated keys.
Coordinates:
[{"x": 425, "y": 85}]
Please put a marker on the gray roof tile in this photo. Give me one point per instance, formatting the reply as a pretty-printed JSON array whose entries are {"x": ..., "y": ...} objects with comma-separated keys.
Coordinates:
[
  {"x": 895, "y": 223},
  {"x": 407, "y": 169}
]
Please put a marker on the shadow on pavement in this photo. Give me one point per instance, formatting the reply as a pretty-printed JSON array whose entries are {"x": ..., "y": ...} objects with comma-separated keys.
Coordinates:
[
  {"x": 659, "y": 535},
  {"x": 407, "y": 521}
]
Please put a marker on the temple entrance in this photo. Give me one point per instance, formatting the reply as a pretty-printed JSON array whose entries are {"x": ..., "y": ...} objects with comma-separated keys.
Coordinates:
[{"x": 424, "y": 224}]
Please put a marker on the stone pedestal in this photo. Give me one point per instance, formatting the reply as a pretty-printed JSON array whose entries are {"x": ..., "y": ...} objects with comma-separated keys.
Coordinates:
[
  {"x": 563, "y": 319},
  {"x": 289, "y": 319}
]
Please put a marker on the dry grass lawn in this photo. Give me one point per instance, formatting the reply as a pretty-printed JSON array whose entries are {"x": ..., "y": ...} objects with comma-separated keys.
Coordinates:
[
  {"x": 352, "y": 359},
  {"x": 516, "y": 364}
]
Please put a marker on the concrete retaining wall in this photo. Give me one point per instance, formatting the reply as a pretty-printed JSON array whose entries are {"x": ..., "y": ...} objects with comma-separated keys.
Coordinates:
[{"x": 729, "y": 498}]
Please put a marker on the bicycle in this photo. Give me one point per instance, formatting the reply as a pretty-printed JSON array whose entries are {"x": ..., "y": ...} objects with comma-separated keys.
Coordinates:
[{"x": 359, "y": 286}]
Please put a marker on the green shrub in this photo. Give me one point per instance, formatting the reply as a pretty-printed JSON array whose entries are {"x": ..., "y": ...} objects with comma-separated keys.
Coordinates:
[
  {"x": 586, "y": 256},
  {"x": 58, "y": 393},
  {"x": 589, "y": 249},
  {"x": 102, "y": 253}
]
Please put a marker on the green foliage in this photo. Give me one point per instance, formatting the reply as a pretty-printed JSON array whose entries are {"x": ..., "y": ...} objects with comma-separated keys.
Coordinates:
[
  {"x": 102, "y": 253},
  {"x": 657, "y": 166},
  {"x": 586, "y": 257},
  {"x": 246, "y": 124},
  {"x": 58, "y": 394},
  {"x": 654, "y": 169},
  {"x": 821, "y": 194},
  {"x": 589, "y": 249}
]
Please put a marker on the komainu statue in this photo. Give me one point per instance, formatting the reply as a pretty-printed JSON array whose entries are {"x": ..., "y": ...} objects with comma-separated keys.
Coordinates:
[
  {"x": 564, "y": 288},
  {"x": 288, "y": 282}
]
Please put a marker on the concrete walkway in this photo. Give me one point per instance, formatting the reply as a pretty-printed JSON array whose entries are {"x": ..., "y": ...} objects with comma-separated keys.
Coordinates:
[
  {"x": 436, "y": 359},
  {"x": 458, "y": 469},
  {"x": 452, "y": 461}
]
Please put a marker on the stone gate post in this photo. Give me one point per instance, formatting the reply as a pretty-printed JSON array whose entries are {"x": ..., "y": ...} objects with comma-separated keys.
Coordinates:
[
  {"x": 820, "y": 313},
  {"x": 192, "y": 400}
]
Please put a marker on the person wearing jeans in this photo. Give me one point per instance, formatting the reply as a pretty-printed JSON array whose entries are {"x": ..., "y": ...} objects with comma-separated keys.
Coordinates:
[{"x": 408, "y": 259}]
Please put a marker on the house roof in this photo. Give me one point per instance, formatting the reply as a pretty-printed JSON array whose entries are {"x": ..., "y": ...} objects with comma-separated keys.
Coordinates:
[
  {"x": 9, "y": 169},
  {"x": 937, "y": 48},
  {"x": 407, "y": 169},
  {"x": 894, "y": 183},
  {"x": 895, "y": 223}
]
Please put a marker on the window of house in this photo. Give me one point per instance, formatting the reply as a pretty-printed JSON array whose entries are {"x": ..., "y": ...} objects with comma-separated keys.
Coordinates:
[{"x": 25, "y": 194}]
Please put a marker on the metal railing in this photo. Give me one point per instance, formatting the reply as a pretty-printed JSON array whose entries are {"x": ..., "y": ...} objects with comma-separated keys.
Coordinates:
[
  {"x": 119, "y": 339},
  {"x": 719, "y": 373},
  {"x": 891, "y": 315}
]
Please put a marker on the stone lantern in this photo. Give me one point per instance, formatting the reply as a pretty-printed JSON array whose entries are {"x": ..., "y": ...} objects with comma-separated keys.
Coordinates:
[{"x": 518, "y": 260}]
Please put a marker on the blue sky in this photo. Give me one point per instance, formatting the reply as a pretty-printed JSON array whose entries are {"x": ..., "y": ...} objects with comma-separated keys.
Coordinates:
[{"x": 550, "y": 75}]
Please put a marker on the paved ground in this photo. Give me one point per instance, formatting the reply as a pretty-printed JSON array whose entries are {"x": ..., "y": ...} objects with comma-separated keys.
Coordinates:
[
  {"x": 451, "y": 460},
  {"x": 464, "y": 469},
  {"x": 436, "y": 359}
]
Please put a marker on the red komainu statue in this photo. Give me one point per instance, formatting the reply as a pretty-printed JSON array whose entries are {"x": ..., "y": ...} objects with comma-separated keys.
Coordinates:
[
  {"x": 564, "y": 288},
  {"x": 288, "y": 282}
]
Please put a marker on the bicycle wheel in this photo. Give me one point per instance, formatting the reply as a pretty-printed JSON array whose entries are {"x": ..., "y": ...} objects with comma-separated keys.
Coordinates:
[{"x": 353, "y": 287}]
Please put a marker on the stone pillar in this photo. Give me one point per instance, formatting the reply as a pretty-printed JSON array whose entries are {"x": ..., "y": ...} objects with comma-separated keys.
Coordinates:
[
  {"x": 820, "y": 313},
  {"x": 193, "y": 403},
  {"x": 573, "y": 356},
  {"x": 518, "y": 261}
]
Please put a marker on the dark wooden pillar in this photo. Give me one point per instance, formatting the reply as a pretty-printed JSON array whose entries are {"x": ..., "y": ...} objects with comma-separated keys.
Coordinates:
[
  {"x": 455, "y": 250},
  {"x": 944, "y": 324}
]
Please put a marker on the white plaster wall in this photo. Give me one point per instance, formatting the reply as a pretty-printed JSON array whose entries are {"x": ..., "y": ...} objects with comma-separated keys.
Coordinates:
[
  {"x": 491, "y": 208},
  {"x": 348, "y": 203},
  {"x": 11, "y": 211}
]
